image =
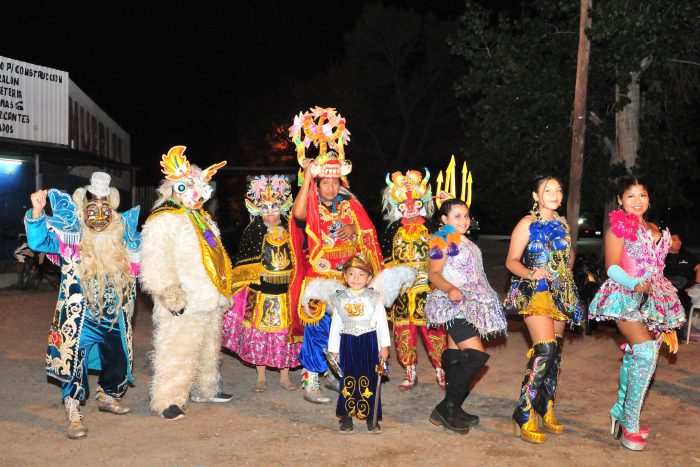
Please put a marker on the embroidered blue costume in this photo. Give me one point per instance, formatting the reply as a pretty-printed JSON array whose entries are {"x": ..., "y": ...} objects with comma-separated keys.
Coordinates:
[{"x": 91, "y": 327}]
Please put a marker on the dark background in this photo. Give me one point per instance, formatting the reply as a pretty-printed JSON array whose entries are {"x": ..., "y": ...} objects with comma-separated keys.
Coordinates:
[{"x": 225, "y": 79}]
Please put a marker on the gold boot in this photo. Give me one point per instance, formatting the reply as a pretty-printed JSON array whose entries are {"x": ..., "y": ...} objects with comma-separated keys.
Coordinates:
[
  {"x": 550, "y": 422},
  {"x": 107, "y": 403},
  {"x": 529, "y": 431},
  {"x": 76, "y": 429}
]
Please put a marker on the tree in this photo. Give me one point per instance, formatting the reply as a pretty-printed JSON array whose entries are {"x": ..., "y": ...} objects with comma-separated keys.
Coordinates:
[
  {"x": 517, "y": 87},
  {"x": 394, "y": 87}
]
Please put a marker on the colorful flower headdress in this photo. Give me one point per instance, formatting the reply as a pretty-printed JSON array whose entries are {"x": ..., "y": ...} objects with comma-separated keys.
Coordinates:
[
  {"x": 411, "y": 186},
  {"x": 450, "y": 190},
  {"x": 267, "y": 195},
  {"x": 175, "y": 165},
  {"x": 326, "y": 130}
]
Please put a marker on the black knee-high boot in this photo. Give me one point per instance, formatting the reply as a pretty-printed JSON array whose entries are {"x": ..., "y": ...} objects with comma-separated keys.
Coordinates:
[
  {"x": 471, "y": 363},
  {"x": 524, "y": 417},
  {"x": 446, "y": 413},
  {"x": 544, "y": 404}
]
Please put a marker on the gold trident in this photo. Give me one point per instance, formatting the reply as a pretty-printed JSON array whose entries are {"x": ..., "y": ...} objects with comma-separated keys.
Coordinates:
[{"x": 450, "y": 182}]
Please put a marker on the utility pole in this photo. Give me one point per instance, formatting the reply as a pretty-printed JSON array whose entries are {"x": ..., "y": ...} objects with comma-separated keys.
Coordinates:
[{"x": 573, "y": 205}]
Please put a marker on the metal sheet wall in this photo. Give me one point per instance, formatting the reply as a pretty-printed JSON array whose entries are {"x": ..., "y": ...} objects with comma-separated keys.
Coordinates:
[{"x": 33, "y": 102}]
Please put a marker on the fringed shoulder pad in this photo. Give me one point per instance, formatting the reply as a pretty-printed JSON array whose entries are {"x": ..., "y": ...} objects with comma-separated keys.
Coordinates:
[
  {"x": 624, "y": 225},
  {"x": 444, "y": 240}
]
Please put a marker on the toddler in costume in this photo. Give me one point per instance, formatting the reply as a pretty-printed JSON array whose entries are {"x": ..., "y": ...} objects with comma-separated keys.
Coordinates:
[{"x": 359, "y": 334}]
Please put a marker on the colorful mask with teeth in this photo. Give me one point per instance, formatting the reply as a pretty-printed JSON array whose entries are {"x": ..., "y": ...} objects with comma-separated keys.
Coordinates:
[{"x": 190, "y": 183}]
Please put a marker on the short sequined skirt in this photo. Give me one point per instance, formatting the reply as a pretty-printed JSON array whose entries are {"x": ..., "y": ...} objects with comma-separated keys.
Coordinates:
[
  {"x": 660, "y": 311},
  {"x": 542, "y": 304}
]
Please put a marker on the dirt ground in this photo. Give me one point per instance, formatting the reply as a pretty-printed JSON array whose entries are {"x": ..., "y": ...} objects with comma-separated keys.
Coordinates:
[{"x": 278, "y": 427}]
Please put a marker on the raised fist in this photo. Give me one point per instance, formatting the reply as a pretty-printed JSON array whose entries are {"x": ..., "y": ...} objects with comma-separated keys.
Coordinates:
[{"x": 38, "y": 202}]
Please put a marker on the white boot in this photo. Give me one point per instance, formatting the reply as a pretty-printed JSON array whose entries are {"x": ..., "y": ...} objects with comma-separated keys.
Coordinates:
[
  {"x": 76, "y": 429},
  {"x": 312, "y": 389},
  {"x": 440, "y": 377},
  {"x": 410, "y": 380}
]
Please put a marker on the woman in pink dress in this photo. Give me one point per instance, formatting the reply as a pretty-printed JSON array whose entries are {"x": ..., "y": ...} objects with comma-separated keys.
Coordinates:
[{"x": 257, "y": 327}]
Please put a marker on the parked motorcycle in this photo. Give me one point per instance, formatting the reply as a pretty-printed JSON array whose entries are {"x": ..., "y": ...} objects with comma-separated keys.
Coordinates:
[
  {"x": 588, "y": 278},
  {"x": 33, "y": 267}
]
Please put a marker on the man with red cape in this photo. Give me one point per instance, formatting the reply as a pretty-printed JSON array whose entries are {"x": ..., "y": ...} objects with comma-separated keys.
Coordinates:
[{"x": 329, "y": 227}]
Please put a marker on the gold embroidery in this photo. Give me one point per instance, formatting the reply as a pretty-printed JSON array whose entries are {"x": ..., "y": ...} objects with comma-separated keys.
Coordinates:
[
  {"x": 357, "y": 398},
  {"x": 405, "y": 351},
  {"x": 438, "y": 344},
  {"x": 280, "y": 259},
  {"x": 354, "y": 309},
  {"x": 317, "y": 308},
  {"x": 215, "y": 260},
  {"x": 542, "y": 304}
]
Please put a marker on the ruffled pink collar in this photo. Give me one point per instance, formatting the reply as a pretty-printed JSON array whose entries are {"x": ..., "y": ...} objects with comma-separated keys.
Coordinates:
[{"x": 624, "y": 225}]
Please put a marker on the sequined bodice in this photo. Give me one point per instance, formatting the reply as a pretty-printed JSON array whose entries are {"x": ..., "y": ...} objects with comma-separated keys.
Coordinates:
[
  {"x": 548, "y": 247},
  {"x": 645, "y": 257},
  {"x": 465, "y": 267}
]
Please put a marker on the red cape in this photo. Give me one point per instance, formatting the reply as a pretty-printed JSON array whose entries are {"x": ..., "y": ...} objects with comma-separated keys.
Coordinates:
[{"x": 303, "y": 268}]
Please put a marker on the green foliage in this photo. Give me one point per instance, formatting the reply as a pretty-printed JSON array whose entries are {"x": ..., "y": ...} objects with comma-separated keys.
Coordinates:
[{"x": 516, "y": 95}]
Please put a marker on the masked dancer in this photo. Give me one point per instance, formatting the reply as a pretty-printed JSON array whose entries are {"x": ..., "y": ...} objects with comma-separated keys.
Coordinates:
[
  {"x": 258, "y": 325},
  {"x": 407, "y": 204},
  {"x": 330, "y": 226},
  {"x": 187, "y": 271},
  {"x": 97, "y": 249}
]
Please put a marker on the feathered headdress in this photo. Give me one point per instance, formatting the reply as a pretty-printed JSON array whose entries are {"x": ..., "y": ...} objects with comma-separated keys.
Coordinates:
[
  {"x": 175, "y": 165},
  {"x": 326, "y": 130},
  {"x": 269, "y": 194}
]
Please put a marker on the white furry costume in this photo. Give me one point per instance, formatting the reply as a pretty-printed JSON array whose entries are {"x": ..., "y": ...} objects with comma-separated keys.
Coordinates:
[{"x": 187, "y": 271}]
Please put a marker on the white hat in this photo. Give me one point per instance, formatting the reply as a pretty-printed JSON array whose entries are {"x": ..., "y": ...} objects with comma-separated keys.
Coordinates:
[{"x": 99, "y": 184}]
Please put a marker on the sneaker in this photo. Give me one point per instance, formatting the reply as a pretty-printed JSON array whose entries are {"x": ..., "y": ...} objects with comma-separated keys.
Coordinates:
[
  {"x": 345, "y": 425},
  {"x": 373, "y": 429},
  {"x": 218, "y": 398},
  {"x": 107, "y": 403},
  {"x": 173, "y": 413}
]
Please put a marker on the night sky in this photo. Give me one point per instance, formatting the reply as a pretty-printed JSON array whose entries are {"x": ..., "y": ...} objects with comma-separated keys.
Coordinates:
[{"x": 185, "y": 73}]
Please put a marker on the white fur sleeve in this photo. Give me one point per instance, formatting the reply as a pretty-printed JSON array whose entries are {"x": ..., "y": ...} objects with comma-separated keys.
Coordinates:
[
  {"x": 383, "y": 334},
  {"x": 158, "y": 264},
  {"x": 320, "y": 289},
  {"x": 334, "y": 334},
  {"x": 390, "y": 281}
]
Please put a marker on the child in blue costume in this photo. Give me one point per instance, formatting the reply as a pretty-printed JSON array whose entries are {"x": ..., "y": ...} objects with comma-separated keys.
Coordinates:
[{"x": 360, "y": 335}]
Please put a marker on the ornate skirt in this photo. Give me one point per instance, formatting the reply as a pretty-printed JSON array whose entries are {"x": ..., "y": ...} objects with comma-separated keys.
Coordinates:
[
  {"x": 542, "y": 304},
  {"x": 358, "y": 357},
  {"x": 662, "y": 310},
  {"x": 480, "y": 307},
  {"x": 242, "y": 335}
]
